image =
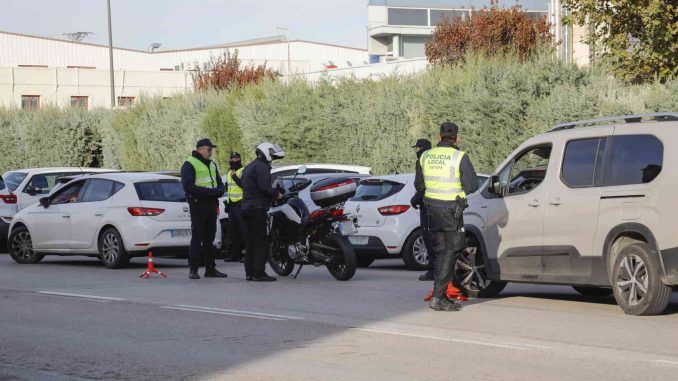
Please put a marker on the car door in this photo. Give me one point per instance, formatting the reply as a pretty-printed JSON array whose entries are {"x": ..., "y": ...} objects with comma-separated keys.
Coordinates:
[
  {"x": 50, "y": 227},
  {"x": 573, "y": 205},
  {"x": 515, "y": 214},
  {"x": 86, "y": 215}
]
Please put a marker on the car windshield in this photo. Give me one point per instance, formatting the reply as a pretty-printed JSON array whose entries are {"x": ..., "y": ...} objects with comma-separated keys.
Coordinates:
[
  {"x": 169, "y": 191},
  {"x": 375, "y": 190},
  {"x": 13, "y": 179}
]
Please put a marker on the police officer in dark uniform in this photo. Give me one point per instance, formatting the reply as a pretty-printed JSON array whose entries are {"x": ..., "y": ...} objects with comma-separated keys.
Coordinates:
[
  {"x": 258, "y": 195},
  {"x": 417, "y": 201},
  {"x": 203, "y": 186},
  {"x": 233, "y": 205},
  {"x": 446, "y": 176}
]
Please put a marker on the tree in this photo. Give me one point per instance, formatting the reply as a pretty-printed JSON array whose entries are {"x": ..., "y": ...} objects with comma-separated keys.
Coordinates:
[
  {"x": 638, "y": 38},
  {"x": 490, "y": 31},
  {"x": 224, "y": 72}
]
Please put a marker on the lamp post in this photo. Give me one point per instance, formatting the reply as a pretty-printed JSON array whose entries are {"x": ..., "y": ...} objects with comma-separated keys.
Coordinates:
[
  {"x": 289, "y": 69},
  {"x": 110, "y": 54}
]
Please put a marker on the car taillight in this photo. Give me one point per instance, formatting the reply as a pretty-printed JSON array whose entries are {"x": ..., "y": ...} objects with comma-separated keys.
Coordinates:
[
  {"x": 393, "y": 210},
  {"x": 335, "y": 185},
  {"x": 318, "y": 213},
  {"x": 8, "y": 198},
  {"x": 138, "y": 212},
  {"x": 337, "y": 212}
]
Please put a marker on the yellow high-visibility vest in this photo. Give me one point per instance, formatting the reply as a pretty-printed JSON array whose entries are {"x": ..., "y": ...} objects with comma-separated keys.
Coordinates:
[
  {"x": 440, "y": 166},
  {"x": 234, "y": 191},
  {"x": 204, "y": 177}
]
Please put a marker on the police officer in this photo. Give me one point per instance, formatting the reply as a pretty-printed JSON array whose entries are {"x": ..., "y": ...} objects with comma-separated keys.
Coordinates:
[
  {"x": 203, "y": 187},
  {"x": 445, "y": 177},
  {"x": 423, "y": 145},
  {"x": 257, "y": 198},
  {"x": 233, "y": 204}
]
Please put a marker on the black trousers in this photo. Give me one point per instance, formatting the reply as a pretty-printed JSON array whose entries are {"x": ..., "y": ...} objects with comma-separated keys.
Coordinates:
[
  {"x": 449, "y": 240},
  {"x": 203, "y": 229},
  {"x": 427, "y": 235},
  {"x": 256, "y": 248},
  {"x": 236, "y": 229}
]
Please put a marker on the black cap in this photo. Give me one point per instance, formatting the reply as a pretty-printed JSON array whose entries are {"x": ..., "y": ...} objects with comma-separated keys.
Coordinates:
[
  {"x": 422, "y": 143},
  {"x": 449, "y": 128},
  {"x": 234, "y": 155},
  {"x": 204, "y": 142}
]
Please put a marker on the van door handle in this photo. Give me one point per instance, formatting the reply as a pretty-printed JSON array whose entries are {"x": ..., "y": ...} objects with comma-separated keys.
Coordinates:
[
  {"x": 534, "y": 203},
  {"x": 555, "y": 201},
  {"x": 98, "y": 214},
  {"x": 66, "y": 216}
]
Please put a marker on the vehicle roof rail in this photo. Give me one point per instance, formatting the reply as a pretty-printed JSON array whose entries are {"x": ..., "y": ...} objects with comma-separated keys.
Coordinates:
[{"x": 657, "y": 116}]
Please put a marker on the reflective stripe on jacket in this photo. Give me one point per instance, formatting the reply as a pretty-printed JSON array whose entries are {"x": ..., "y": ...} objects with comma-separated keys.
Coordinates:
[
  {"x": 442, "y": 177},
  {"x": 235, "y": 192},
  {"x": 204, "y": 177}
]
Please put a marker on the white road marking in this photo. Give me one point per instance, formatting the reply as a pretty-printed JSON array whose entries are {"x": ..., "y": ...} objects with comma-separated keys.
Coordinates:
[
  {"x": 666, "y": 362},
  {"x": 82, "y": 296},
  {"x": 453, "y": 340},
  {"x": 220, "y": 313},
  {"x": 286, "y": 317}
]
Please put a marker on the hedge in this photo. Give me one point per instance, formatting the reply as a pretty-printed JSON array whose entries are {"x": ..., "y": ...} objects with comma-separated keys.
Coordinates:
[{"x": 497, "y": 102}]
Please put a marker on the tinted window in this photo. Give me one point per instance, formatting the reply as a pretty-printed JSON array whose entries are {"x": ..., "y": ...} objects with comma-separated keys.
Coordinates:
[
  {"x": 398, "y": 16},
  {"x": 99, "y": 190},
  {"x": 634, "y": 159},
  {"x": 579, "y": 162},
  {"x": 68, "y": 194},
  {"x": 2, "y": 183},
  {"x": 375, "y": 190},
  {"x": 438, "y": 15},
  {"x": 43, "y": 183},
  {"x": 171, "y": 191},
  {"x": 13, "y": 179}
]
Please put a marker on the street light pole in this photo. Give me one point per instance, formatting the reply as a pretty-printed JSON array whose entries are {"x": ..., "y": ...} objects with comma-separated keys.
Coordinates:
[{"x": 110, "y": 55}]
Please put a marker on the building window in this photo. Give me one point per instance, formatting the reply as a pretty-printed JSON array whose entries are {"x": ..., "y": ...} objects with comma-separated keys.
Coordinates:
[
  {"x": 80, "y": 102},
  {"x": 125, "y": 101},
  {"x": 416, "y": 17},
  {"x": 538, "y": 15},
  {"x": 634, "y": 159},
  {"x": 42, "y": 66},
  {"x": 30, "y": 102},
  {"x": 438, "y": 15},
  {"x": 80, "y": 67}
]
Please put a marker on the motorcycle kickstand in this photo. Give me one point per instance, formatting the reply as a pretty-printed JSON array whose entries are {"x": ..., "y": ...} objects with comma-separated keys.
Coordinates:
[{"x": 297, "y": 273}]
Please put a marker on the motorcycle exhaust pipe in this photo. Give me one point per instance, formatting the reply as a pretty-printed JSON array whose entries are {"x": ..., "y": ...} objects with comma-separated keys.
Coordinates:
[{"x": 320, "y": 257}]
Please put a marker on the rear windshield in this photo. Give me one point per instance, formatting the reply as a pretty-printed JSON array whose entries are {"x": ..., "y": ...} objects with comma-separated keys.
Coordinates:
[
  {"x": 12, "y": 179},
  {"x": 170, "y": 191},
  {"x": 375, "y": 190}
]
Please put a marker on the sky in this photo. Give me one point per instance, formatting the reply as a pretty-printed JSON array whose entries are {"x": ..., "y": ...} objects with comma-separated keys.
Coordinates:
[{"x": 189, "y": 23}]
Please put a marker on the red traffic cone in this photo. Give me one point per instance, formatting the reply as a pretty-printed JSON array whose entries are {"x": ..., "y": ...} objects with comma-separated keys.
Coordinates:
[
  {"x": 151, "y": 269},
  {"x": 452, "y": 293}
]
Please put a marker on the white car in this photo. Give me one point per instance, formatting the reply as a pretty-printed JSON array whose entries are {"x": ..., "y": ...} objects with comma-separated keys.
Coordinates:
[
  {"x": 290, "y": 170},
  {"x": 388, "y": 226},
  {"x": 114, "y": 216},
  {"x": 24, "y": 187}
]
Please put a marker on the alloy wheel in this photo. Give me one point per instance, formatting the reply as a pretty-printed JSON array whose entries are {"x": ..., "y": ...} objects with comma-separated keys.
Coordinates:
[
  {"x": 632, "y": 279},
  {"x": 471, "y": 270},
  {"x": 110, "y": 248},
  {"x": 22, "y": 245},
  {"x": 419, "y": 251}
]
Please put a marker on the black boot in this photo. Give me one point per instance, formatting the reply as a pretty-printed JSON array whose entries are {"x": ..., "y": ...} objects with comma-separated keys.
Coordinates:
[
  {"x": 444, "y": 304},
  {"x": 261, "y": 278},
  {"x": 193, "y": 274},
  {"x": 214, "y": 273}
]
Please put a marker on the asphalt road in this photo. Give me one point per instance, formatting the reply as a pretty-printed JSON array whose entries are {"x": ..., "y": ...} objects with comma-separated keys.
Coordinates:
[{"x": 71, "y": 319}]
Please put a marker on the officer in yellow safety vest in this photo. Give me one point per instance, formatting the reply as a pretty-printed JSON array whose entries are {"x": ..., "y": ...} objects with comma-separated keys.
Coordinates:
[
  {"x": 233, "y": 204},
  {"x": 203, "y": 187},
  {"x": 446, "y": 176}
]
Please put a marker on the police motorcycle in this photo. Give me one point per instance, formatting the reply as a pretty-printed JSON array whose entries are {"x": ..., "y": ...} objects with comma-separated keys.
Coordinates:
[{"x": 298, "y": 237}]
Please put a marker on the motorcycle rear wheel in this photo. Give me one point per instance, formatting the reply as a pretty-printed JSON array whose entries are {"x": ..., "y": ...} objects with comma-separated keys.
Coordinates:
[
  {"x": 278, "y": 259},
  {"x": 344, "y": 259}
]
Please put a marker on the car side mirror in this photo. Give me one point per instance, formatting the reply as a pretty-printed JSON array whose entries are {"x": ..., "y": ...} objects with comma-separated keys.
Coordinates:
[
  {"x": 302, "y": 170},
  {"x": 32, "y": 191},
  {"x": 44, "y": 202},
  {"x": 494, "y": 187}
]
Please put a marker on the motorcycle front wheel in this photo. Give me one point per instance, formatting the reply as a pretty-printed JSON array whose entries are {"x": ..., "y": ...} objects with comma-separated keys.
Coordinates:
[
  {"x": 344, "y": 261},
  {"x": 278, "y": 259}
]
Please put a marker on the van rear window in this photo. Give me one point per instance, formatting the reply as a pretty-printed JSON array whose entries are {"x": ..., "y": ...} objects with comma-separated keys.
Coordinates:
[{"x": 168, "y": 191}]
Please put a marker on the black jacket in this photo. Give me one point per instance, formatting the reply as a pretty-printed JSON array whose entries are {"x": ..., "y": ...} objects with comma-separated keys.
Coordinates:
[
  {"x": 469, "y": 181},
  {"x": 200, "y": 193},
  {"x": 418, "y": 197},
  {"x": 256, "y": 185}
]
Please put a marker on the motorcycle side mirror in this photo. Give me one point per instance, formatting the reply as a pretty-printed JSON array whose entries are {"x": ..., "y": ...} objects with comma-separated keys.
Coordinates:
[
  {"x": 44, "y": 202},
  {"x": 302, "y": 170}
]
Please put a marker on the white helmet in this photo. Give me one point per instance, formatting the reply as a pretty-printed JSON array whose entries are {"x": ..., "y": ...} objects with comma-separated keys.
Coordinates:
[{"x": 271, "y": 151}]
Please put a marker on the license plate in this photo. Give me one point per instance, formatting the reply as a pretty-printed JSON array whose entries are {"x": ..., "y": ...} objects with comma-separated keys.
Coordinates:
[
  {"x": 358, "y": 240},
  {"x": 180, "y": 233},
  {"x": 347, "y": 227}
]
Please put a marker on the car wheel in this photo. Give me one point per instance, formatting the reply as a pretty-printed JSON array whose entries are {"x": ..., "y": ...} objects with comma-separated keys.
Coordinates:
[
  {"x": 636, "y": 281},
  {"x": 364, "y": 261},
  {"x": 470, "y": 275},
  {"x": 593, "y": 291},
  {"x": 112, "y": 251},
  {"x": 414, "y": 253},
  {"x": 20, "y": 247}
]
